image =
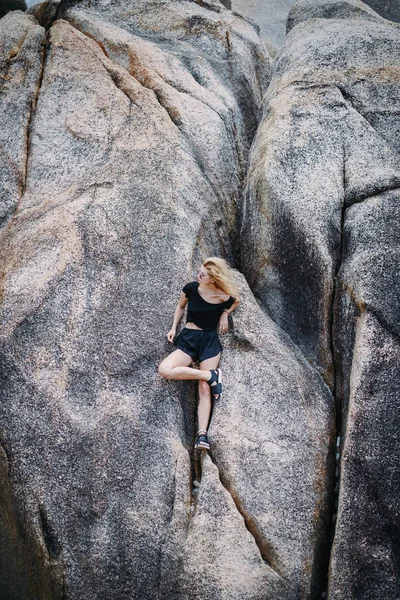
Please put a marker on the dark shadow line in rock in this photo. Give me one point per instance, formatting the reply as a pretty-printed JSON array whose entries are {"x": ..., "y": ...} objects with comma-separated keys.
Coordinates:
[
  {"x": 335, "y": 292},
  {"x": 4, "y": 448},
  {"x": 265, "y": 552},
  {"x": 196, "y": 463},
  {"x": 49, "y": 534},
  {"x": 350, "y": 103},
  {"x": 384, "y": 323},
  {"x": 321, "y": 572},
  {"x": 216, "y": 9},
  {"x": 375, "y": 193},
  {"x": 166, "y": 534},
  {"x": 32, "y": 114}
]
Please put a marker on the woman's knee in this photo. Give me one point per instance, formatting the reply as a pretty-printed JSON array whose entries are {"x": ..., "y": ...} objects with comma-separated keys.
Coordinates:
[
  {"x": 204, "y": 388},
  {"x": 164, "y": 370}
]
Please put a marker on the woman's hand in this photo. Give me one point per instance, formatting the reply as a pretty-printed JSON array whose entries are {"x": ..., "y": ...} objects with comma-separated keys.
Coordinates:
[
  {"x": 223, "y": 323},
  {"x": 171, "y": 334}
]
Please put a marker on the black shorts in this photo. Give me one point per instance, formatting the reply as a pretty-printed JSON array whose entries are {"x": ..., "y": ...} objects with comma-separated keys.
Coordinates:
[{"x": 200, "y": 344}]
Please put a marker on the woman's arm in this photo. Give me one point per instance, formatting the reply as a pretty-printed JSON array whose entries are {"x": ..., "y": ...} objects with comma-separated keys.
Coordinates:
[
  {"x": 180, "y": 309},
  {"x": 223, "y": 320}
]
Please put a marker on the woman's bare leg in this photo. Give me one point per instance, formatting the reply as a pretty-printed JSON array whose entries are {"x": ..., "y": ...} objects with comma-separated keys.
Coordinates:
[
  {"x": 204, "y": 408},
  {"x": 176, "y": 366}
]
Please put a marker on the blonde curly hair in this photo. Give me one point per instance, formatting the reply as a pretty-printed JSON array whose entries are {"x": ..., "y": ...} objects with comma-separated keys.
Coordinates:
[{"x": 221, "y": 273}]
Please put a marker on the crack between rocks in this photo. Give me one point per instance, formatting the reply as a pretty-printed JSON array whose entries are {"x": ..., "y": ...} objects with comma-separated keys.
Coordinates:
[
  {"x": 50, "y": 537},
  {"x": 391, "y": 187},
  {"x": 167, "y": 528},
  {"x": 4, "y": 448},
  {"x": 173, "y": 115},
  {"x": 333, "y": 492},
  {"x": 363, "y": 307},
  {"x": 31, "y": 117},
  {"x": 265, "y": 553},
  {"x": 383, "y": 322},
  {"x": 207, "y": 6}
]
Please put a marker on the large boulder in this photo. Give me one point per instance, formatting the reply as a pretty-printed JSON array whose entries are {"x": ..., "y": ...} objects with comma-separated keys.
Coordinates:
[
  {"x": 365, "y": 557},
  {"x": 304, "y": 10},
  {"x": 386, "y": 8},
  {"x": 137, "y": 147},
  {"x": 323, "y": 117},
  {"x": 137, "y": 152},
  {"x": 320, "y": 250}
]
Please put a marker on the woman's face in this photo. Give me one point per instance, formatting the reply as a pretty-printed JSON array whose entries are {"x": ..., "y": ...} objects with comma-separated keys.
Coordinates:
[{"x": 203, "y": 276}]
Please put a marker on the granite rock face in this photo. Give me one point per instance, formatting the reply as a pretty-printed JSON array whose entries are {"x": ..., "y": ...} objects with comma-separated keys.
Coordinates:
[
  {"x": 386, "y": 8},
  {"x": 365, "y": 557},
  {"x": 135, "y": 154},
  {"x": 133, "y": 170},
  {"x": 126, "y": 133},
  {"x": 322, "y": 115},
  {"x": 321, "y": 252}
]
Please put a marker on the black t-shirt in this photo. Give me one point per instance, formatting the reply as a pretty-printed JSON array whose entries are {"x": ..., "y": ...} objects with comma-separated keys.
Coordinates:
[{"x": 200, "y": 312}]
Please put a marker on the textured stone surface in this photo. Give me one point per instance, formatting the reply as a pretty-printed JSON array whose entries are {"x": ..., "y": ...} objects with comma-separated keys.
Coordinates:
[
  {"x": 223, "y": 560},
  {"x": 365, "y": 556},
  {"x": 321, "y": 251},
  {"x": 137, "y": 150},
  {"x": 44, "y": 12},
  {"x": 390, "y": 9},
  {"x": 304, "y": 10},
  {"x": 131, "y": 152},
  {"x": 325, "y": 116},
  {"x": 21, "y": 57}
]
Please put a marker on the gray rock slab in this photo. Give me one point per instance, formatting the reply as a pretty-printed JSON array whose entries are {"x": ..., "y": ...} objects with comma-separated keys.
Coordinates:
[
  {"x": 365, "y": 552},
  {"x": 323, "y": 200},
  {"x": 222, "y": 558},
  {"x": 305, "y": 10},
  {"x": 390, "y": 9},
  {"x": 137, "y": 148},
  {"x": 325, "y": 116}
]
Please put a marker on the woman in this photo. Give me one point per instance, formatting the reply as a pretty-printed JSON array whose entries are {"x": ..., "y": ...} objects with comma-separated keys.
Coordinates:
[{"x": 210, "y": 300}]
